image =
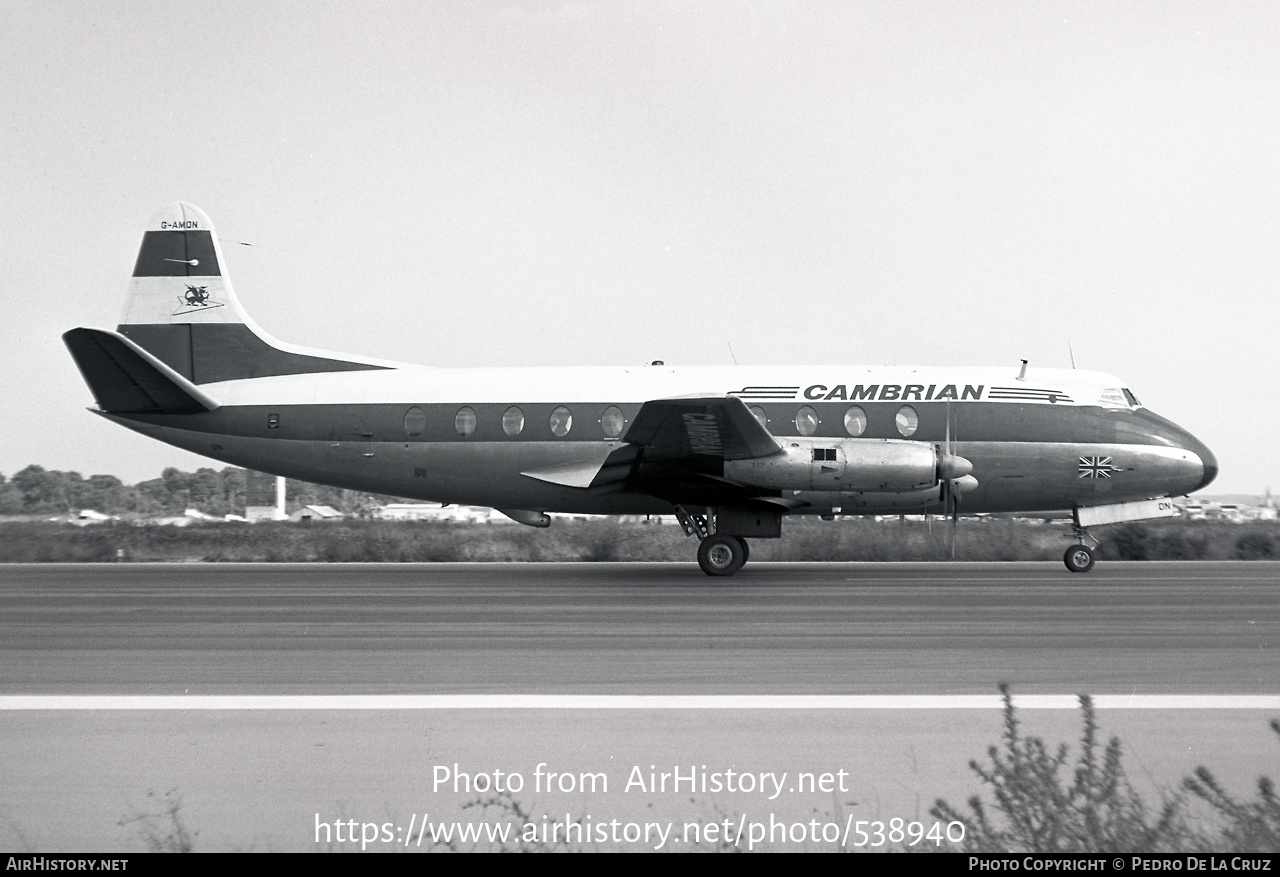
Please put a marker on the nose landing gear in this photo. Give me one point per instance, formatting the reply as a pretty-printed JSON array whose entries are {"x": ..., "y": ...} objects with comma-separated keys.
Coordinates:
[{"x": 1080, "y": 557}]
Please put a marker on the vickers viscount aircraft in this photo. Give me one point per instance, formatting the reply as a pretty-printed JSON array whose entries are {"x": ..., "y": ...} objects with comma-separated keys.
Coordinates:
[{"x": 731, "y": 451}]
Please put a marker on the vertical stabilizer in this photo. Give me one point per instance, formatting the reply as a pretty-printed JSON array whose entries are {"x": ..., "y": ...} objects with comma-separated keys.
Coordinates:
[{"x": 182, "y": 309}]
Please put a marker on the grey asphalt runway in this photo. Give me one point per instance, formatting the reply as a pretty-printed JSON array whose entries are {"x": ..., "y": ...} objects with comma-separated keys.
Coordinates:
[
  {"x": 270, "y": 779},
  {"x": 1140, "y": 628}
]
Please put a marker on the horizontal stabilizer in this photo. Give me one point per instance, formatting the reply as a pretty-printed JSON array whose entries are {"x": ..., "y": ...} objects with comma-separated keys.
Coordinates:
[{"x": 125, "y": 379}]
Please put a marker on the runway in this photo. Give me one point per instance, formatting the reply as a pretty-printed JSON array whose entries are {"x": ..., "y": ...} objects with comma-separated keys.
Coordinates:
[
  {"x": 662, "y": 629},
  {"x": 264, "y": 775}
]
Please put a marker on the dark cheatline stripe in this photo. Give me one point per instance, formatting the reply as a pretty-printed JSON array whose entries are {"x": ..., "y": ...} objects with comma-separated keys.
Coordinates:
[
  {"x": 208, "y": 352},
  {"x": 986, "y": 422},
  {"x": 169, "y": 253}
]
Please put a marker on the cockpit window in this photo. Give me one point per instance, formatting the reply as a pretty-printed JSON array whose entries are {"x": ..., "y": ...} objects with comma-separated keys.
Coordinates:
[{"x": 1115, "y": 397}]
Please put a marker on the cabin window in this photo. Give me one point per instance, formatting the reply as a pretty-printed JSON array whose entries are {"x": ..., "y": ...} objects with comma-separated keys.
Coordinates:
[
  {"x": 806, "y": 421},
  {"x": 561, "y": 421},
  {"x": 465, "y": 422},
  {"x": 612, "y": 421},
  {"x": 760, "y": 415},
  {"x": 907, "y": 420},
  {"x": 415, "y": 421},
  {"x": 855, "y": 421},
  {"x": 513, "y": 421}
]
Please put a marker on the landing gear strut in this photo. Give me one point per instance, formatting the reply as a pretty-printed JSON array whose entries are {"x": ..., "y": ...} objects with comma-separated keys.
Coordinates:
[{"x": 1080, "y": 557}]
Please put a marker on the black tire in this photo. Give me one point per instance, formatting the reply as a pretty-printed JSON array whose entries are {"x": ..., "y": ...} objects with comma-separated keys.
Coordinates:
[
  {"x": 1079, "y": 558},
  {"x": 746, "y": 549},
  {"x": 721, "y": 555}
]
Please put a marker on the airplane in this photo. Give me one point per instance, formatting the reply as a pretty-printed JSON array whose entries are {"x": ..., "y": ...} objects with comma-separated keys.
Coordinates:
[{"x": 730, "y": 450}]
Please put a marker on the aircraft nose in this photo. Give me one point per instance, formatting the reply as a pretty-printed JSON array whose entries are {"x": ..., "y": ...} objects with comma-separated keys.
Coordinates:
[
  {"x": 1198, "y": 466},
  {"x": 1210, "y": 465},
  {"x": 1208, "y": 461}
]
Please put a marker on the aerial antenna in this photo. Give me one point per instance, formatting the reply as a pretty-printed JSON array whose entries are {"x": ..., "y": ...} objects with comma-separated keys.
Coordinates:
[
  {"x": 1022, "y": 375},
  {"x": 1072, "y": 352},
  {"x": 730, "y": 346}
]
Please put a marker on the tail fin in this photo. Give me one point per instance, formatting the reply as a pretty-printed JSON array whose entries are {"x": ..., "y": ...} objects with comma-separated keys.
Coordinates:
[{"x": 182, "y": 310}]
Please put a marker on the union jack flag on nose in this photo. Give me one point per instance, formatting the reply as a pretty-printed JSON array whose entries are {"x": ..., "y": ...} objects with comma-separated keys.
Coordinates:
[{"x": 1096, "y": 467}]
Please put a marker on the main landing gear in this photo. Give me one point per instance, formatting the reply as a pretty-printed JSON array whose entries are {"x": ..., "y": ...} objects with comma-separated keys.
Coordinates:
[
  {"x": 719, "y": 554},
  {"x": 722, "y": 555}
]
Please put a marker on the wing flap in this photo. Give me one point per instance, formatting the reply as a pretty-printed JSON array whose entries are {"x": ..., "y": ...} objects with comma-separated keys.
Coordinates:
[
  {"x": 596, "y": 466},
  {"x": 568, "y": 474}
]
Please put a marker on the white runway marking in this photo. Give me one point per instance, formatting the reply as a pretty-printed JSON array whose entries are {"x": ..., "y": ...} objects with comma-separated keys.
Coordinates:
[{"x": 633, "y": 702}]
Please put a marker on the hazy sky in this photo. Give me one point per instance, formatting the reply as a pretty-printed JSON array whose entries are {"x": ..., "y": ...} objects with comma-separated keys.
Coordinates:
[{"x": 611, "y": 183}]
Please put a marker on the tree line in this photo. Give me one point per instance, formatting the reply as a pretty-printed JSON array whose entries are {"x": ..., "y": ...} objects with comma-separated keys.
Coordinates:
[{"x": 39, "y": 491}]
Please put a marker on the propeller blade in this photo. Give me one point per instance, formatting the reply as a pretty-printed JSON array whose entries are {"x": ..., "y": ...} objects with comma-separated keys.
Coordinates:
[
  {"x": 954, "y": 496},
  {"x": 954, "y": 470}
]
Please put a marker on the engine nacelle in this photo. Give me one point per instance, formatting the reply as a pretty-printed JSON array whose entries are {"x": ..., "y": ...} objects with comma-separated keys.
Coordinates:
[{"x": 861, "y": 465}]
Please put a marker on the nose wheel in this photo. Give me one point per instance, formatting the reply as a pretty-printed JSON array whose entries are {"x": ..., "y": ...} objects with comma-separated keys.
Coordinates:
[
  {"x": 1079, "y": 558},
  {"x": 721, "y": 555}
]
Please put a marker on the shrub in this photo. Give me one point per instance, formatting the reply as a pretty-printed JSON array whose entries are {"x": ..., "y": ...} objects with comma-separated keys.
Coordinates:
[
  {"x": 163, "y": 831},
  {"x": 1247, "y": 827},
  {"x": 1182, "y": 545},
  {"x": 1129, "y": 542},
  {"x": 1255, "y": 546},
  {"x": 1037, "y": 809}
]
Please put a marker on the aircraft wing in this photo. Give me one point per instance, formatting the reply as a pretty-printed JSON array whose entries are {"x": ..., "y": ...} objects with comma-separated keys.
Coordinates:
[{"x": 709, "y": 428}]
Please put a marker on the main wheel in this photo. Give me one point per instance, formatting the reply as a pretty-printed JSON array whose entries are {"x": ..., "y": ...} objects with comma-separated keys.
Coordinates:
[
  {"x": 1079, "y": 558},
  {"x": 721, "y": 555},
  {"x": 746, "y": 549}
]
